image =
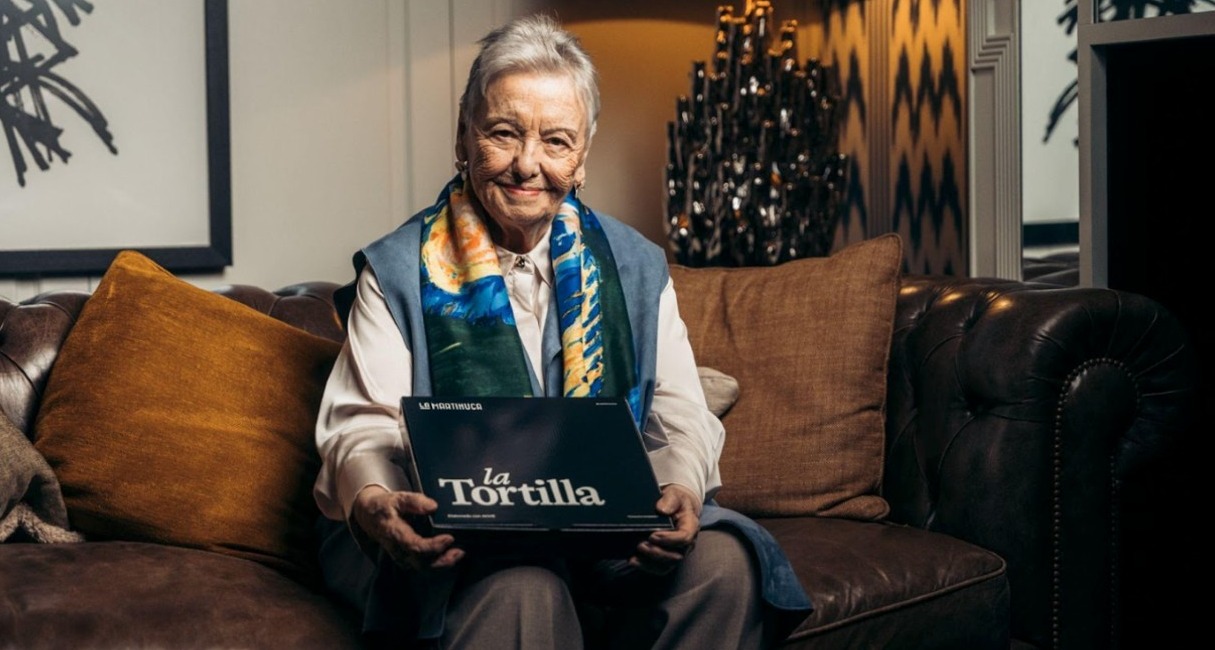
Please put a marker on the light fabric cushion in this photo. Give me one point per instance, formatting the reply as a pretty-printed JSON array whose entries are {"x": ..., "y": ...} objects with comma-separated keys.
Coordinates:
[
  {"x": 808, "y": 342},
  {"x": 179, "y": 416},
  {"x": 721, "y": 390}
]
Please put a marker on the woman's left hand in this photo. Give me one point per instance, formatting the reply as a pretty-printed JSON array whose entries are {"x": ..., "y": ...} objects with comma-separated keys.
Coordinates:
[{"x": 663, "y": 550}]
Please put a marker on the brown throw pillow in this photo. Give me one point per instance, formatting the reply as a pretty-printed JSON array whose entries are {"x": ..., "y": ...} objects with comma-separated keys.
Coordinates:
[
  {"x": 179, "y": 416},
  {"x": 808, "y": 342}
]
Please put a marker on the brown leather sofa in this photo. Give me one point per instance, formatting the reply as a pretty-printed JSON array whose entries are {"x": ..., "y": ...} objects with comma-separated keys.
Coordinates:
[{"x": 1034, "y": 440}]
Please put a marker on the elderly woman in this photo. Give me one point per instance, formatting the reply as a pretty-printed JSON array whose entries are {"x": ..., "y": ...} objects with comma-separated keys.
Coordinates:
[{"x": 510, "y": 285}]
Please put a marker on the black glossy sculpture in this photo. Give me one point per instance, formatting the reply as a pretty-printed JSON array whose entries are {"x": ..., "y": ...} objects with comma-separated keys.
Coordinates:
[{"x": 754, "y": 176}]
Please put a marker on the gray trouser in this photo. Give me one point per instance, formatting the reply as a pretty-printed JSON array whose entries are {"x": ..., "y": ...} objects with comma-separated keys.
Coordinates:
[{"x": 711, "y": 600}]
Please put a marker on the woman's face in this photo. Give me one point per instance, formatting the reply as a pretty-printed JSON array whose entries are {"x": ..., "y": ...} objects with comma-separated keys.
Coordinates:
[{"x": 526, "y": 148}]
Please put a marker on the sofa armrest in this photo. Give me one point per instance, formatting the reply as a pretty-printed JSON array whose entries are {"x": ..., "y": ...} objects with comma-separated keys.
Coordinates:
[{"x": 1045, "y": 424}]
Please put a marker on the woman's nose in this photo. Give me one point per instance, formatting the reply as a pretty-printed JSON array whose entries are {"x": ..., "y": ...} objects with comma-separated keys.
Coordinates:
[{"x": 527, "y": 160}]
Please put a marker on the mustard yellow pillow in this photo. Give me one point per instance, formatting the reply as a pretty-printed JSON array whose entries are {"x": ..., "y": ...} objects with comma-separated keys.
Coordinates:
[
  {"x": 179, "y": 416},
  {"x": 808, "y": 342}
]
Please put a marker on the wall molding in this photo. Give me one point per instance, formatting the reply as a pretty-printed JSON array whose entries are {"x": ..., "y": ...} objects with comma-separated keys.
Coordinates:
[{"x": 994, "y": 140}]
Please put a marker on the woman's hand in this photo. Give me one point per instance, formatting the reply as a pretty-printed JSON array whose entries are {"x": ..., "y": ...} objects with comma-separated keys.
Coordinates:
[
  {"x": 666, "y": 548},
  {"x": 381, "y": 515}
]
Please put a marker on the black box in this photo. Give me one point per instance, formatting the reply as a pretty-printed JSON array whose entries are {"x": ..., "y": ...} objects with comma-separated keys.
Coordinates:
[{"x": 533, "y": 475}]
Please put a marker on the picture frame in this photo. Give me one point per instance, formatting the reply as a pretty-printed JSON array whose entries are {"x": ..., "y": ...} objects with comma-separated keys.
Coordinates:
[{"x": 164, "y": 186}]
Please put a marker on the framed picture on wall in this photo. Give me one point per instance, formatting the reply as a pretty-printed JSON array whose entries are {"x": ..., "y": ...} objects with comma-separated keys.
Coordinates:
[{"x": 115, "y": 135}]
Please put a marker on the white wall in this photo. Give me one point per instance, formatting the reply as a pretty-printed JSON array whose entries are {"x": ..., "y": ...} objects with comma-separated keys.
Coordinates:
[
  {"x": 314, "y": 114},
  {"x": 1050, "y": 172},
  {"x": 343, "y": 123}
]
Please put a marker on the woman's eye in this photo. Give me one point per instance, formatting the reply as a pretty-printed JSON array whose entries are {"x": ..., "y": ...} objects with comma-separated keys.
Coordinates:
[{"x": 559, "y": 142}]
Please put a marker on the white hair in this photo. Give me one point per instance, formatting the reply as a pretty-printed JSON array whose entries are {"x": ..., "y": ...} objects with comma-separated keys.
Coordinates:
[{"x": 534, "y": 43}]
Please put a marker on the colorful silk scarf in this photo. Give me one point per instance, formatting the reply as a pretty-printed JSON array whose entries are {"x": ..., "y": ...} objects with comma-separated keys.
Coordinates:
[{"x": 471, "y": 337}]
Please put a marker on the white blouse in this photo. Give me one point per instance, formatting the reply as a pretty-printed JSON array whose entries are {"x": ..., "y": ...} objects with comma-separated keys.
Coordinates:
[{"x": 358, "y": 431}]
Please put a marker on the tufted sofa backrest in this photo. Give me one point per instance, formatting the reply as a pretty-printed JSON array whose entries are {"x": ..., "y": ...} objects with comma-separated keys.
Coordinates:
[{"x": 32, "y": 331}]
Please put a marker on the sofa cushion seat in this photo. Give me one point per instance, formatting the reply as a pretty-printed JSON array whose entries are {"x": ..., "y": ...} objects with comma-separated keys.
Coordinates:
[
  {"x": 145, "y": 595},
  {"x": 880, "y": 585}
]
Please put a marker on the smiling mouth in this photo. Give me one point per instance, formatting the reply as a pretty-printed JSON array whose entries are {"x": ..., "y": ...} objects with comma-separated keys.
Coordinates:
[{"x": 514, "y": 188}]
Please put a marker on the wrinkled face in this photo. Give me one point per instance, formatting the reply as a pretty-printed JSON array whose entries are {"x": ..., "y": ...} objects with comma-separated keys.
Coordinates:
[{"x": 526, "y": 148}]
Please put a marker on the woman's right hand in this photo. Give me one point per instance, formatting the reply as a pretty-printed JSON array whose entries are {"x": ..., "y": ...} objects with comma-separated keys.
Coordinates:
[{"x": 382, "y": 516}]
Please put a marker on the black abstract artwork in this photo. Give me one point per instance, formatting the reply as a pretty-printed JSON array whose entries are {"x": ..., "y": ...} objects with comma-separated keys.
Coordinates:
[{"x": 32, "y": 47}]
